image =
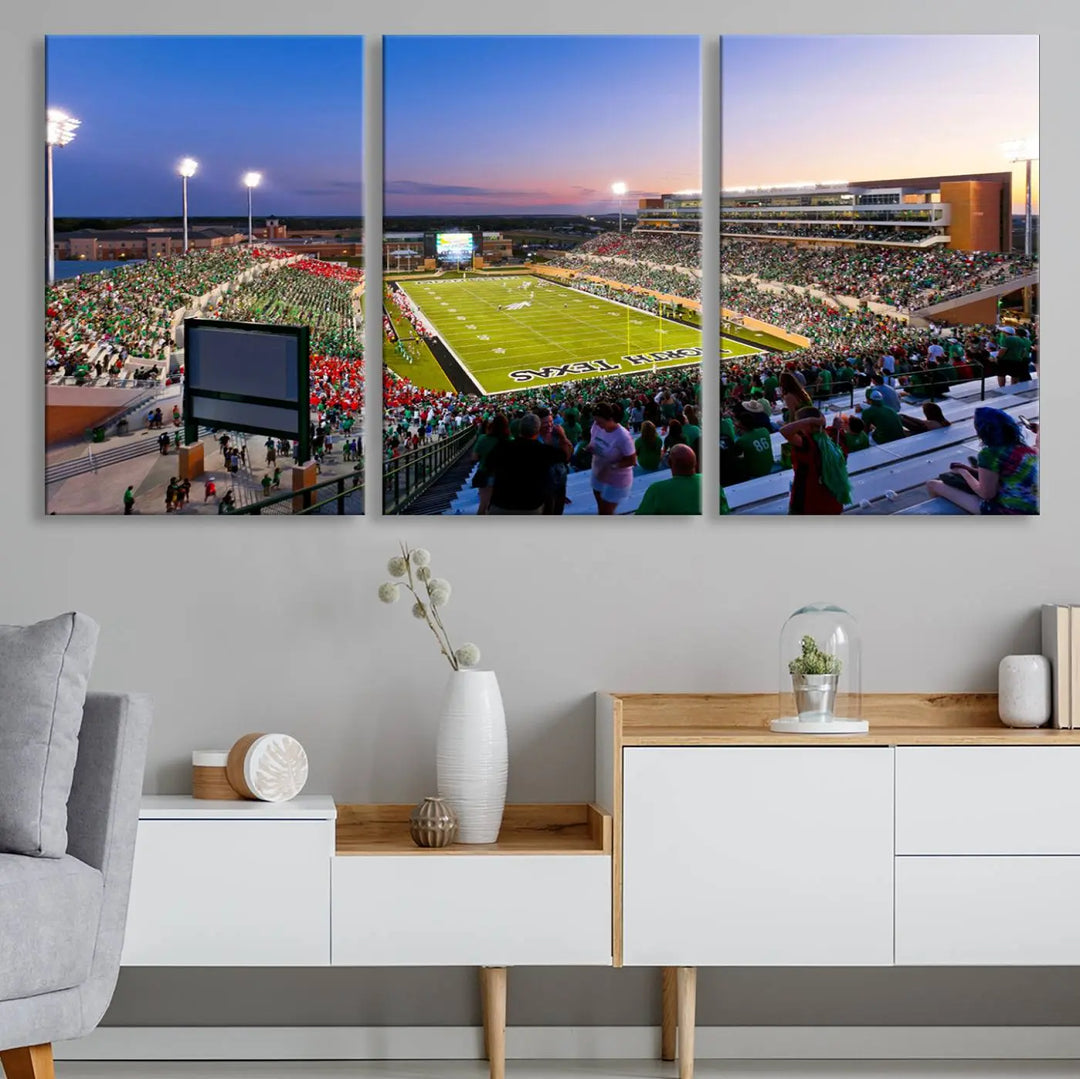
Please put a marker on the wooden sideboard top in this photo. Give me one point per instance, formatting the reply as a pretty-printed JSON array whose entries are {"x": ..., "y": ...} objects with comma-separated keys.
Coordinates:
[
  {"x": 542, "y": 828},
  {"x": 731, "y": 719}
]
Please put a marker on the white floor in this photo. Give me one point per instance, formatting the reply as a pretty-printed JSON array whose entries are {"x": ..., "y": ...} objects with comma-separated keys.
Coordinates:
[{"x": 528, "y": 1069}]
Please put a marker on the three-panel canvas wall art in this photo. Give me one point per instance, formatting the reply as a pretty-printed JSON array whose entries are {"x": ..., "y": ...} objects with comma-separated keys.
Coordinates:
[{"x": 539, "y": 279}]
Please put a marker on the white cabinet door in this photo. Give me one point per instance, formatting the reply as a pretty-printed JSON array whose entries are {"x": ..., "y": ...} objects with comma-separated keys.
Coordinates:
[
  {"x": 987, "y": 911},
  {"x": 472, "y": 910},
  {"x": 232, "y": 893},
  {"x": 987, "y": 799},
  {"x": 749, "y": 856}
]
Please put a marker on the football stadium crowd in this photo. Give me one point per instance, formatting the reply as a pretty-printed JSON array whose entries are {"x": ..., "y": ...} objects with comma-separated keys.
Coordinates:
[
  {"x": 614, "y": 426},
  {"x": 318, "y": 295},
  {"x": 740, "y": 227},
  {"x": 778, "y": 391},
  {"x": 95, "y": 322},
  {"x": 905, "y": 279},
  {"x": 662, "y": 248}
]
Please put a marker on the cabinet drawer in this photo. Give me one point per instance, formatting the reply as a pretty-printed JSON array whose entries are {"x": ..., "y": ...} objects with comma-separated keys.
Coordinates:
[
  {"x": 988, "y": 800},
  {"x": 471, "y": 910},
  {"x": 233, "y": 893},
  {"x": 757, "y": 856},
  {"x": 987, "y": 911}
]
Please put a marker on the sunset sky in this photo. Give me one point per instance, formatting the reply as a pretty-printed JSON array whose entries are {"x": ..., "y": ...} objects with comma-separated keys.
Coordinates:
[
  {"x": 288, "y": 107},
  {"x": 538, "y": 124},
  {"x": 866, "y": 107}
]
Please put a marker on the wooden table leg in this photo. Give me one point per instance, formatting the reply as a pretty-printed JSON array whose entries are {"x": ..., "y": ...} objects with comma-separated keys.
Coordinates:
[
  {"x": 495, "y": 1019},
  {"x": 687, "y": 1006},
  {"x": 484, "y": 1010},
  {"x": 668, "y": 1013},
  {"x": 30, "y": 1062}
]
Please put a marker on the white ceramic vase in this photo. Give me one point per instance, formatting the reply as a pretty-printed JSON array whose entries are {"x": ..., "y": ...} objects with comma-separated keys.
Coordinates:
[
  {"x": 470, "y": 756},
  {"x": 1024, "y": 691}
]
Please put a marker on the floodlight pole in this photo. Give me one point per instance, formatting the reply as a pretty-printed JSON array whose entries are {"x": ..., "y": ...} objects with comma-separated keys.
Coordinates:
[
  {"x": 251, "y": 240},
  {"x": 50, "y": 241},
  {"x": 183, "y": 186}
]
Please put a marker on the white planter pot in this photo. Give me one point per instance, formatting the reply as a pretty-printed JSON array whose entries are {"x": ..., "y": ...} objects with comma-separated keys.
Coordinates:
[{"x": 470, "y": 756}]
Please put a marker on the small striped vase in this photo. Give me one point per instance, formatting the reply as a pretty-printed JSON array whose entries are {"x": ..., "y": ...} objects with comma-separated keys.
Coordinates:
[
  {"x": 432, "y": 824},
  {"x": 470, "y": 757}
]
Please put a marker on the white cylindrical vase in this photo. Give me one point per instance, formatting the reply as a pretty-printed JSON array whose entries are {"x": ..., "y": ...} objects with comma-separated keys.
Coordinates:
[
  {"x": 1024, "y": 698},
  {"x": 470, "y": 756}
]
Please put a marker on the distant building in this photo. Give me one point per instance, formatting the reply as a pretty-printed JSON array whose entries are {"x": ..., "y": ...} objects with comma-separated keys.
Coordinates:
[
  {"x": 142, "y": 242},
  {"x": 679, "y": 211},
  {"x": 969, "y": 212}
]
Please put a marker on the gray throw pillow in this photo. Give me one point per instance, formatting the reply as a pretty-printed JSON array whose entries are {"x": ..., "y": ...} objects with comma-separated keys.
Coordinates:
[{"x": 44, "y": 670}]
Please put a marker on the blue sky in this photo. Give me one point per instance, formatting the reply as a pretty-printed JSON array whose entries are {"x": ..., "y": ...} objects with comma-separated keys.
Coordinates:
[
  {"x": 288, "y": 107},
  {"x": 538, "y": 124}
]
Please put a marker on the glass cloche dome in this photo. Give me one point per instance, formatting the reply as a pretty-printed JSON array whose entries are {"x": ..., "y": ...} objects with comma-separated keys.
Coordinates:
[{"x": 820, "y": 673}]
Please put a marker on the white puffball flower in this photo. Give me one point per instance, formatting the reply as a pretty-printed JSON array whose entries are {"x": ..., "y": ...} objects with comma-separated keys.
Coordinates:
[
  {"x": 423, "y": 573},
  {"x": 439, "y": 584},
  {"x": 388, "y": 592},
  {"x": 396, "y": 566},
  {"x": 420, "y": 558},
  {"x": 468, "y": 655},
  {"x": 439, "y": 597},
  {"x": 418, "y": 610}
]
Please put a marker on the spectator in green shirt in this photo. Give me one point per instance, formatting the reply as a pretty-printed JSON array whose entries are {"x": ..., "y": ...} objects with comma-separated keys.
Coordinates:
[
  {"x": 680, "y": 495},
  {"x": 882, "y": 423},
  {"x": 751, "y": 455},
  {"x": 649, "y": 447}
]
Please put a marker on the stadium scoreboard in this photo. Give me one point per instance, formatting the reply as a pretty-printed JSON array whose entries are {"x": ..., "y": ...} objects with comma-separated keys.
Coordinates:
[
  {"x": 454, "y": 246},
  {"x": 247, "y": 376}
]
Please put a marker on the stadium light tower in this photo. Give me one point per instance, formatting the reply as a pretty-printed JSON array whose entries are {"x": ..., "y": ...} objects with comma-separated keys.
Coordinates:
[
  {"x": 251, "y": 181},
  {"x": 59, "y": 131},
  {"x": 187, "y": 169},
  {"x": 1026, "y": 150},
  {"x": 619, "y": 189}
]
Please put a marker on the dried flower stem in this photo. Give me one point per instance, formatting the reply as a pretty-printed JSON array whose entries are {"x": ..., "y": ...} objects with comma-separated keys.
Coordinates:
[{"x": 435, "y": 625}]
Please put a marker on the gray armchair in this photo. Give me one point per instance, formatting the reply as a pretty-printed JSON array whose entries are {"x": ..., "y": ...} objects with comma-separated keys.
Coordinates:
[{"x": 63, "y": 919}]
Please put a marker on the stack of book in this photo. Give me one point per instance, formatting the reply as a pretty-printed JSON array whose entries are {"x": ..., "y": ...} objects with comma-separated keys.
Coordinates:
[{"x": 1061, "y": 646}]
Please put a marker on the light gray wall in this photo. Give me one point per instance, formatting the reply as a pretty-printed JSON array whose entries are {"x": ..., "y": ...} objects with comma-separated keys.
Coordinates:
[{"x": 269, "y": 624}]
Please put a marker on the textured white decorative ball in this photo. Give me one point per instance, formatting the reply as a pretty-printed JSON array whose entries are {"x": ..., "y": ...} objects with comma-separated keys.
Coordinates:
[
  {"x": 275, "y": 768},
  {"x": 388, "y": 592},
  {"x": 396, "y": 566},
  {"x": 420, "y": 558}
]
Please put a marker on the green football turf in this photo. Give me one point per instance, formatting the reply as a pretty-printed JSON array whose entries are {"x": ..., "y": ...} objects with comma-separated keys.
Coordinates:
[
  {"x": 559, "y": 328},
  {"x": 730, "y": 349}
]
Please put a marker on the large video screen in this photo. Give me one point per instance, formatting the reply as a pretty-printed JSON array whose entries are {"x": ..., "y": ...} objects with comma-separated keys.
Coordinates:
[
  {"x": 455, "y": 246},
  {"x": 247, "y": 376}
]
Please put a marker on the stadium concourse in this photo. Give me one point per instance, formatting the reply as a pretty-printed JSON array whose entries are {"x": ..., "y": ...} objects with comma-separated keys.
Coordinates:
[{"x": 104, "y": 329}]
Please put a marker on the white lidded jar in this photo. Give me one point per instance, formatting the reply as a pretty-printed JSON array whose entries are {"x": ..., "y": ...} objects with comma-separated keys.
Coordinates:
[{"x": 1024, "y": 691}]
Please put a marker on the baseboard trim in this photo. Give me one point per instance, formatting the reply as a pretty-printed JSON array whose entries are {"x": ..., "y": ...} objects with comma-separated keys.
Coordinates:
[{"x": 573, "y": 1043}]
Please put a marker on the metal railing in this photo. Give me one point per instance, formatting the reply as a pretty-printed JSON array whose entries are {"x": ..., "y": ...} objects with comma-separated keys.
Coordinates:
[
  {"x": 340, "y": 495},
  {"x": 407, "y": 477}
]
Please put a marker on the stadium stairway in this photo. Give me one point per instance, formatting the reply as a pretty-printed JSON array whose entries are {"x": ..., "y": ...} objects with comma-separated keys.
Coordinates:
[{"x": 578, "y": 490}]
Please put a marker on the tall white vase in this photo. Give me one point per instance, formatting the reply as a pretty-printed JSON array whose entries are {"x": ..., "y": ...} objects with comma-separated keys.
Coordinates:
[{"x": 470, "y": 757}]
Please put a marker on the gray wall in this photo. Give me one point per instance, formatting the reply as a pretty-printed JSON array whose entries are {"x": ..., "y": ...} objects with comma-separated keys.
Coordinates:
[{"x": 242, "y": 624}]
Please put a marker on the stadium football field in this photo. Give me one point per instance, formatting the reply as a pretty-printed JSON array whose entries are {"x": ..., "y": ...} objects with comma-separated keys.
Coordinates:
[
  {"x": 544, "y": 333},
  {"x": 731, "y": 349}
]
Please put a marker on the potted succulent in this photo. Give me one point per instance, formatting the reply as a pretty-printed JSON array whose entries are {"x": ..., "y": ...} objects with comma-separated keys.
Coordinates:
[{"x": 815, "y": 676}]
